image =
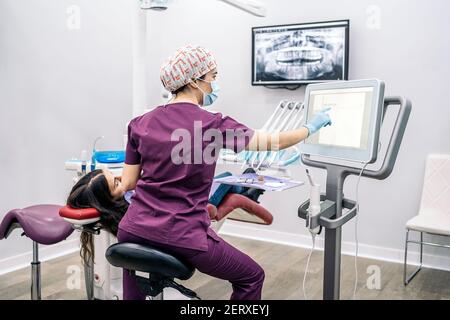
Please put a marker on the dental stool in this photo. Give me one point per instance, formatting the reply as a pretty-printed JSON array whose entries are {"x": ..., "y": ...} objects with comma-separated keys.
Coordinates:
[
  {"x": 43, "y": 225},
  {"x": 162, "y": 268}
]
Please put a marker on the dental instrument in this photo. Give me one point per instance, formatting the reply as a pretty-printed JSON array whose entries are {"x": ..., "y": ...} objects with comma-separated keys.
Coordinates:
[
  {"x": 94, "y": 150},
  {"x": 288, "y": 115}
]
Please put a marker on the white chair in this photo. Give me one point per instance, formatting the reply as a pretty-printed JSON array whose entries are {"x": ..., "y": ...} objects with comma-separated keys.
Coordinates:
[{"x": 434, "y": 214}]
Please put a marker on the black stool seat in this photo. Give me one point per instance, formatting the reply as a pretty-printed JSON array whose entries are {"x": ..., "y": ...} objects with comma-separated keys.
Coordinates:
[{"x": 143, "y": 258}]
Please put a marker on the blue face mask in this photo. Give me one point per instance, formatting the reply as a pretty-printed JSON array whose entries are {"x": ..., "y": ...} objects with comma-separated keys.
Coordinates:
[{"x": 209, "y": 98}]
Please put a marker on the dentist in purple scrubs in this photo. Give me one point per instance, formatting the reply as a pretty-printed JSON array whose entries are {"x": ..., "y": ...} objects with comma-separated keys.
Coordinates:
[{"x": 172, "y": 170}]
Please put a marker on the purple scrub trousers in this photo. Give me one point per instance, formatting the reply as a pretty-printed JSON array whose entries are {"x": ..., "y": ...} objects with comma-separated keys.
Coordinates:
[{"x": 222, "y": 260}]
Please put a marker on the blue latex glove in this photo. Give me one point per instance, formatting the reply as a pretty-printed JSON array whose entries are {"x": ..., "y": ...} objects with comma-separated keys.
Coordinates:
[
  {"x": 128, "y": 195},
  {"x": 320, "y": 120}
]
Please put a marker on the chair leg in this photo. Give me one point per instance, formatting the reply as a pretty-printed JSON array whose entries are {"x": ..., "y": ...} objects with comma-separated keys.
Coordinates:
[
  {"x": 89, "y": 280},
  {"x": 158, "y": 297},
  {"x": 421, "y": 249},
  {"x": 35, "y": 274},
  {"x": 407, "y": 280}
]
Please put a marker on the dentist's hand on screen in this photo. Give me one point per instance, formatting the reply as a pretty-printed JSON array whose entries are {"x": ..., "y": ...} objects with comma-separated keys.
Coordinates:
[{"x": 320, "y": 120}]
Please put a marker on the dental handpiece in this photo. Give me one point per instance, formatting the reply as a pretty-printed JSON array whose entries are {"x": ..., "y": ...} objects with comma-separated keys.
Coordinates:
[
  {"x": 314, "y": 204},
  {"x": 309, "y": 177}
]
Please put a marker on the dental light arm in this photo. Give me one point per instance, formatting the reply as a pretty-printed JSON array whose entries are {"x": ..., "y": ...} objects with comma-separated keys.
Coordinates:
[{"x": 254, "y": 7}]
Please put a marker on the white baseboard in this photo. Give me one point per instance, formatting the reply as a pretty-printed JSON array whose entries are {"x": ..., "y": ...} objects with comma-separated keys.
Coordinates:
[
  {"x": 237, "y": 229},
  {"x": 45, "y": 253}
]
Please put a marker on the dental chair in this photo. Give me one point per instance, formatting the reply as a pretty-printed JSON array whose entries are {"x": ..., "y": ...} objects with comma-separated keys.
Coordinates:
[
  {"x": 161, "y": 269},
  {"x": 43, "y": 225}
]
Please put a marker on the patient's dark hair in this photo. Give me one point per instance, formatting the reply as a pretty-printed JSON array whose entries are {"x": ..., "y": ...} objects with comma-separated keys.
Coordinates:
[{"x": 92, "y": 191}]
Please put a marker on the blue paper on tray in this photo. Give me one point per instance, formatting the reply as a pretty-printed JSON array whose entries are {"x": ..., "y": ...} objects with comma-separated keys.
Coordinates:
[{"x": 252, "y": 180}]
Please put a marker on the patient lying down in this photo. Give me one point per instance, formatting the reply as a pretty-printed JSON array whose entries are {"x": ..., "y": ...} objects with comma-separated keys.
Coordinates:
[{"x": 100, "y": 189}]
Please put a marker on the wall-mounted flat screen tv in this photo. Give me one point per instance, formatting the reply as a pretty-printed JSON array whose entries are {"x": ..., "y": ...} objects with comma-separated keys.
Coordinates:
[{"x": 301, "y": 53}]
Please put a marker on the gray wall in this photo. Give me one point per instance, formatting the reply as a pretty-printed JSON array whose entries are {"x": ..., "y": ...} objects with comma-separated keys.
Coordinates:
[
  {"x": 59, "y": 89},
  {"x": 409, "y": 51}
]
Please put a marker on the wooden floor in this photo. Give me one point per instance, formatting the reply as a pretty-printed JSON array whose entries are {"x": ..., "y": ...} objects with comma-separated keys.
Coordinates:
[{"x": 284, "y": 267}]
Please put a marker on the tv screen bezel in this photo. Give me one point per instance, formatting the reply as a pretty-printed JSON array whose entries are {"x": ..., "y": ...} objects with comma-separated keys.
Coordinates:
[{"x": 318, "y": 25}]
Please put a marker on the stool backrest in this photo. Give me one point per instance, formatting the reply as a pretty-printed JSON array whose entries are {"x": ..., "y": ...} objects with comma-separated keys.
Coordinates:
[{"x": 436, "y": 186}]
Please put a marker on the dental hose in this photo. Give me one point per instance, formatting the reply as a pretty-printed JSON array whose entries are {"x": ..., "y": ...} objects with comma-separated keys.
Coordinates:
[{"x": 313, "y": 235}]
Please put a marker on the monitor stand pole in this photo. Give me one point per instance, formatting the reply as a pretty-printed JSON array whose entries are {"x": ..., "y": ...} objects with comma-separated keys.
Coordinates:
[{"x": 333, "y": 202}]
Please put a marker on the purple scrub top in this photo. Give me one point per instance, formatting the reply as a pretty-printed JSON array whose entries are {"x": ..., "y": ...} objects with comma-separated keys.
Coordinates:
[{"x": 169, "y": 204}]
